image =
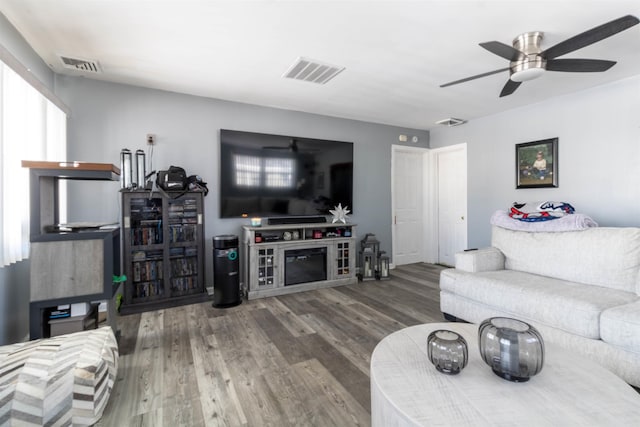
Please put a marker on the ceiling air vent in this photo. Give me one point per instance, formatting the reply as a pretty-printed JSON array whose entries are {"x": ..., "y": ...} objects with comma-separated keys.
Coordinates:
[
  {"x": 80, "y": 64},
  {"x": 451, "y": 121},
  {"x": 313, "y": 71}
]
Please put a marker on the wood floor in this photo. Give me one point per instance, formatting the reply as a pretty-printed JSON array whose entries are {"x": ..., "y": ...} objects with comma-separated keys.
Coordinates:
[{"x": 293, "y": 360}]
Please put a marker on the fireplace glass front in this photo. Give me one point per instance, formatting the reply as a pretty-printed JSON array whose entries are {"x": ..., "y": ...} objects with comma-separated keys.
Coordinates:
[{"x": 305, "y": 265}]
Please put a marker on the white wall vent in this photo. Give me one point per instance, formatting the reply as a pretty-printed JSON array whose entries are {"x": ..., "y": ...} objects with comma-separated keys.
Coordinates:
[
  {"x": 313, "y": 71},
  {"x": 451, "y": 121},
  {"x": 78, "y": 64}
]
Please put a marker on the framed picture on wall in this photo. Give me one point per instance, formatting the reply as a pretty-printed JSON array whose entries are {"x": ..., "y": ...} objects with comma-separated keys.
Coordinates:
[{"x": 537, "y": 164}]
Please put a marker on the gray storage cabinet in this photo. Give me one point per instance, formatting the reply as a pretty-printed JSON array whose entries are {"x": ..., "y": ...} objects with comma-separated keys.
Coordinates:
[{"x": 282, "y": 259}]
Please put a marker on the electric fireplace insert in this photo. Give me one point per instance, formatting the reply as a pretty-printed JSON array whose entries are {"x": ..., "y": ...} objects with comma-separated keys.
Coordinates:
[{"x": 305, "y": 265}]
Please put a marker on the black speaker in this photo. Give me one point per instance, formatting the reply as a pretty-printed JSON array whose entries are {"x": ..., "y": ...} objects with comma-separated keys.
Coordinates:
[
  {"x": 226, "y": 271},
  {"x": 297, "y": 220}
]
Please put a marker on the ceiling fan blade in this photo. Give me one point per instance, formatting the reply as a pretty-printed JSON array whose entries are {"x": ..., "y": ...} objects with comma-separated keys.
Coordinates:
[
  {"x": 579, "y": 65},
  {"x": 509, "y": 88},
  {"x": 475, "y": 77},
  {"x": 503, "y": 50},
  {"x": 590, "y": 36}
]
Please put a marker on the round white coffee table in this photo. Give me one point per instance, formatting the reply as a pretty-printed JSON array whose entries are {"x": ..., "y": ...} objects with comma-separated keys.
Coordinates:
[{"x": 407, "y": 390}]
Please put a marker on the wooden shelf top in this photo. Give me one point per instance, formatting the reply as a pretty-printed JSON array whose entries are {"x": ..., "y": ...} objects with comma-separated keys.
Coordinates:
[{"x": 67, "y": 166}]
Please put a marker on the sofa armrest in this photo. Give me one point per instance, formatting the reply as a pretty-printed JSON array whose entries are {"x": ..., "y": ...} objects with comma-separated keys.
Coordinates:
[{"x": 477, "y": 260}]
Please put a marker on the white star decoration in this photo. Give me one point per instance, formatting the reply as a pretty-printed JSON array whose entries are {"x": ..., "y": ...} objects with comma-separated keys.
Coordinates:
[{"x": 339, "y": 214}]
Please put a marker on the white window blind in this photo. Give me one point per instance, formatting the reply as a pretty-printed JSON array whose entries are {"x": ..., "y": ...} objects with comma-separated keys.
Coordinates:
[
  {"x": 274, "y": 172},
  {"x": 247, "y": 170},
  {"x": 31, "y": 128},
  {"x": 278, "y": 172}
]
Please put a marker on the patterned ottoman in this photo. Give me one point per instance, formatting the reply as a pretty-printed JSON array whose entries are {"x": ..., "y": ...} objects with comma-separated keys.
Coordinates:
[{"x": 62, "y": 380}]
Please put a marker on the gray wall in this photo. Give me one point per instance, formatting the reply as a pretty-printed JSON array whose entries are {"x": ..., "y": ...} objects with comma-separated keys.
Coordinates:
[
  {"x": 14, "y": 279},
  {"x": 599, "y": 156},
  {"x": 107, "y": 117}
]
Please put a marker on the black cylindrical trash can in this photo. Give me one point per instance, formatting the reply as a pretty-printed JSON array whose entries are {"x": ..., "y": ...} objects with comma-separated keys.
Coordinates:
[{"x": 226, "y": 285}]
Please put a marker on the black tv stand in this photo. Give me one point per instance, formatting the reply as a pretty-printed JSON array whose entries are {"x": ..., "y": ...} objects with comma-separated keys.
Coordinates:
[{"x": 297, "y": 220}]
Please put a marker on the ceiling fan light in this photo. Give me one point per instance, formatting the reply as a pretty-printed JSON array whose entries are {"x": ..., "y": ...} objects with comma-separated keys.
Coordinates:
[{"x": 527, "y": 74}]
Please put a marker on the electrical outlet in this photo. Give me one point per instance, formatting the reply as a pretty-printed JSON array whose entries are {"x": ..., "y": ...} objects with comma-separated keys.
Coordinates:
[{"x": 151, "y": 139}]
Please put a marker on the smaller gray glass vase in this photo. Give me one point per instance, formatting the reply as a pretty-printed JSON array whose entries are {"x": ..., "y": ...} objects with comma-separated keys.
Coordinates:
[
  {"x": 448, "y": 351},
  {"x": 512, "y": 348}
]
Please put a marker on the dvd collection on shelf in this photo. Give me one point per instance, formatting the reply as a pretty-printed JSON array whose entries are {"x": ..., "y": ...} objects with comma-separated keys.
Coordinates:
[
  {"x": 149, "y": 289},
  {"x": 147, "y": 270},
  {"x": 147, "y": 265},
  {"x": 184, "y": 266},
  {"x": 146, "y": 221},
  {"x": 184, "y": 284},
  {"x": 147, "y": 278},
  {"x": 183, "y": 220},
  {"x": 182, "y": 233},
  {"x": 165, "y": 241},
  {"x": 148, "y": 233}
]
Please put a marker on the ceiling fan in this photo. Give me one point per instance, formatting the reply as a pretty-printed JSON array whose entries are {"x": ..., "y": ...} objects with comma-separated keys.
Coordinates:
[
  {"x": 528, "y": 61},
  {"x": 293, "y": 146}
]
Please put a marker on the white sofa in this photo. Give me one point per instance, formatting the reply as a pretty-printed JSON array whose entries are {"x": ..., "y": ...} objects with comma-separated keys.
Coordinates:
[{"x": 581, "y": 289}]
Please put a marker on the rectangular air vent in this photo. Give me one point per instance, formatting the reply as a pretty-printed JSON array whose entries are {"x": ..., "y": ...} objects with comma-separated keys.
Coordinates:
[
  {"x": 451, "y": 121},
  {"x": 78, "y": 64},
  {"x": 310, "y": 70}
]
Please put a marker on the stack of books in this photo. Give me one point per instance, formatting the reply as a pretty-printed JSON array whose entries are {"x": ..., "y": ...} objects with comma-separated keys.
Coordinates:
[
  {"x": 60, "y": 311},
  {"x": 69, "y": 310}
]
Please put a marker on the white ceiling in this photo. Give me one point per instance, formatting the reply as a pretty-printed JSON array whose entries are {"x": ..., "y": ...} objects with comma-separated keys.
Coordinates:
[{"x": 396, "y": 53}]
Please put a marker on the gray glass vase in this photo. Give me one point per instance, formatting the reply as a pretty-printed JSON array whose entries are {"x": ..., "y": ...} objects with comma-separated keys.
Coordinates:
[
  {"x": 512, "y": 348},
  {"x": 448, "y": 351}
]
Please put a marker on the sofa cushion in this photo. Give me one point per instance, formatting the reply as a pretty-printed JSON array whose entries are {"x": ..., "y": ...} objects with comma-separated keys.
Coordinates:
[
  {"x": 620, "y": 326},
  {"x": 601, "y": 256},
  {"x": 485, "y": 259},
  {"x": 569, "y": 306}
]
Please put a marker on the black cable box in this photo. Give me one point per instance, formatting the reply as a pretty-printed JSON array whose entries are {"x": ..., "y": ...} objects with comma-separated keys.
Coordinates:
[{"x": 297, "y": 220}]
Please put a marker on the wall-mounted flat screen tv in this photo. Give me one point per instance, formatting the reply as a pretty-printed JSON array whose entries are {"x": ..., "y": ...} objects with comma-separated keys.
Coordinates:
[{"x": 265, "y": 175}]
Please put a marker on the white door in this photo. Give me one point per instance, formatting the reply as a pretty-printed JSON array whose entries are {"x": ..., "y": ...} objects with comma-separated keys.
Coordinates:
[
  {"x": 407, "y": 202},
  {"x": 452, "y": 203}
]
